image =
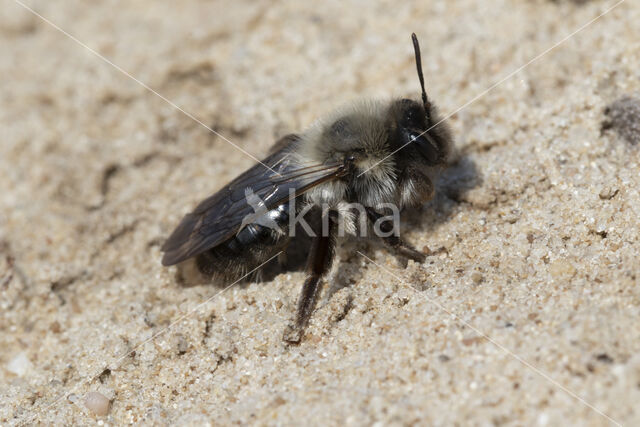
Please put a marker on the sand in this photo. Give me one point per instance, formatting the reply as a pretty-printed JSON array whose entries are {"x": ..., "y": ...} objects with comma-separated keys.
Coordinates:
[{"x": 526, "y": 312}]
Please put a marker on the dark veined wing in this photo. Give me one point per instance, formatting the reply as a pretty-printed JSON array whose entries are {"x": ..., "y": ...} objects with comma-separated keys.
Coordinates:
[{"x": 220, "y": 216}]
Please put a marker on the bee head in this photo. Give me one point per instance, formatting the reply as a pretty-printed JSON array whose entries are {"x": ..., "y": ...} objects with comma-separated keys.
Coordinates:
[
  {"x": 391, "y": 151},
  {"x": 419, "y": 140},
  {"x": 416, "y": 131},
  {"x": 419, "y": 125}
]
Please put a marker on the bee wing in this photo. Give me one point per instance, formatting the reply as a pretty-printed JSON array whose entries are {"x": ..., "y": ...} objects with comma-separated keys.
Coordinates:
[{"x": 220, "y": 216}]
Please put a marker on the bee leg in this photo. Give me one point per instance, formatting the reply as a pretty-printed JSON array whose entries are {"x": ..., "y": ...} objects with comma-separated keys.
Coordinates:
[
  {"x": 282, "y": 259},
  {"x": 395, "y": 242},
  {"x": 403, "y": 248},
  {"x": 318, "y": 264}
]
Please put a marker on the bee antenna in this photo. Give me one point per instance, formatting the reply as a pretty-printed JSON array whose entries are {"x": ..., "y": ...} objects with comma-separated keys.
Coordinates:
[{"x": 416, "y": 48}]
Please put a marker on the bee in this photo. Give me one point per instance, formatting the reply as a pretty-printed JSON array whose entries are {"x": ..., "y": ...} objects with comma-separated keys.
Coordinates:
[{"x": 370, "y": 153}]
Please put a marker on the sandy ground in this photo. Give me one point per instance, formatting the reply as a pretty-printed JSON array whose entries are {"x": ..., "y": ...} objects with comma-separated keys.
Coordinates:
[{"x": 527, "y": 312}]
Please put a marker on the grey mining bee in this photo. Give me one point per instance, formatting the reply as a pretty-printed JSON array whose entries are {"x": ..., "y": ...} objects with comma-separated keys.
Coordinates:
[{"x": 369, "y": 153}]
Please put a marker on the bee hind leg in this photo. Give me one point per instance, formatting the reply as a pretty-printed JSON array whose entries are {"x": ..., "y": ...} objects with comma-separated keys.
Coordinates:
[{"x": 318, "y": 265}]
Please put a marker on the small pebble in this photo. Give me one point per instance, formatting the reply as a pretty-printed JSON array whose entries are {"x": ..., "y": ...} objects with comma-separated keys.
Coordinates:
[
  {"x": 477, "y": 277},
  {"x": 608, "y": 193},
  {"x": 97, "y": 403},
  {"x": 562, "y": 268},
  {"x": 19, "y": 365}
]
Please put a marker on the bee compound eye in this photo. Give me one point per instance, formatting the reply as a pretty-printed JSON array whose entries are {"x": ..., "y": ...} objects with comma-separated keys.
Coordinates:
[{"x": 426, "y": 147}]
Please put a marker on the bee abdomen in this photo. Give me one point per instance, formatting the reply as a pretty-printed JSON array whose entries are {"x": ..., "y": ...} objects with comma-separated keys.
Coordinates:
[{"x": 248, "y": 249}]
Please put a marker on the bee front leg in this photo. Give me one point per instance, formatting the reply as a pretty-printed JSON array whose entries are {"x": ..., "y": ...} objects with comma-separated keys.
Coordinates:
[
  {"x": 318, "y": 264},
  {"x": 282, "y": 259},
  {"x": 394, "y": 242}
]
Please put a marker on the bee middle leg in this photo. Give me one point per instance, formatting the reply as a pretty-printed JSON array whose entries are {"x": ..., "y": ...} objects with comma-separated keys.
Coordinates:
[
  {"x": 394, "y": 242},
  {"x": 403, "y": 248},
  {"x": 318, "y": 265}
]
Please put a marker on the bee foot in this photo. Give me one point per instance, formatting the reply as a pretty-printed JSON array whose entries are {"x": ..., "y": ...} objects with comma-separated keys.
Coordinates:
[{"x": 292, "y": 334}]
